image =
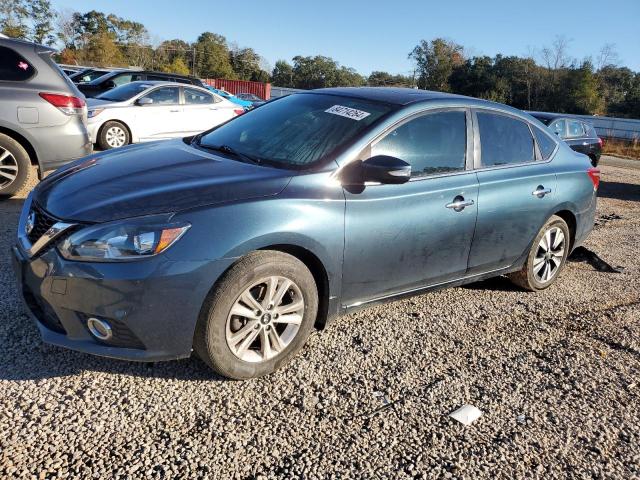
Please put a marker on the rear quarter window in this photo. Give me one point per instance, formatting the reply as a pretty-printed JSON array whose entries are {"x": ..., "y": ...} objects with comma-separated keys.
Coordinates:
[
  {"x": 546, "y": 144},
  {"x": 14, "y": 67}
]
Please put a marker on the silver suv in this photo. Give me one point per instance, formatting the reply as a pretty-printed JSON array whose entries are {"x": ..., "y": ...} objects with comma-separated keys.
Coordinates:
[{"x": 43, "y": 116}]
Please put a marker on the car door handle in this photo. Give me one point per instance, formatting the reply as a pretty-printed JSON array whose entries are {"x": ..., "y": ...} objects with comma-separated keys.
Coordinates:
[
  {"x": 174, "y": 111},
  {"x": 540, "y": 192},
  {"x": 459, "y": 203}
]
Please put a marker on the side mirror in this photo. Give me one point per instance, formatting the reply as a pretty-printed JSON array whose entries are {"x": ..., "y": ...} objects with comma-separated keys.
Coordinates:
[
  {"x": 385, "y": 169},
  {"x": 144, "y": 101}
]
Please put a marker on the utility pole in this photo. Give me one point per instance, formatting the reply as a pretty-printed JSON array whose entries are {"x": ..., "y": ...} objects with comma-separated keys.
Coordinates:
[{"x": 193, "y": 56}]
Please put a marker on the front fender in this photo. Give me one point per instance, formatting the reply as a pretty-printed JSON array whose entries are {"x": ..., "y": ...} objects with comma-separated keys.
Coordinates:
[{"x": 305, "y": 215}]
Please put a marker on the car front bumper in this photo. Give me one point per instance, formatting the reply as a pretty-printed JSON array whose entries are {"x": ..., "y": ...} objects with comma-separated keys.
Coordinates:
[{"x": 152, "y": 305}]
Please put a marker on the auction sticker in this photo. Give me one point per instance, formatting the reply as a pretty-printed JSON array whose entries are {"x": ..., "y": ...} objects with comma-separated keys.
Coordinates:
[{"x": 347, "y": 112}]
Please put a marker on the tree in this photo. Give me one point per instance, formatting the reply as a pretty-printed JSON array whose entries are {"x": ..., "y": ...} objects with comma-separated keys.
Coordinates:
[
  {"x": 282, "y": 74},
  {"x": 582, "y": 91},
  {"x": 435, "y": 61},
  {"x": 178, "y": 65},
  {"x": 385, "y": 79},
  {"x": 245, "y": 62},
  {"x": 13, "y": 18},
  {"x": 320, "y": 72},
  {"x": 212, "y": 56},
  {"x": 42, "y": 18}
]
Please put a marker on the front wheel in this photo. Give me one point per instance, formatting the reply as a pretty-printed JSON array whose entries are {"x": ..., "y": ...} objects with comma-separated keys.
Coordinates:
[
  {"x": 113, "y": 135},
  {"x": 547, "y": 256},
  {"x": 258, "y": 316}
]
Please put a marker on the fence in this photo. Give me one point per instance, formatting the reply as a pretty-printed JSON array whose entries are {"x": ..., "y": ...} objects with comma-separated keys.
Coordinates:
[{"x": 262, "y": 90}]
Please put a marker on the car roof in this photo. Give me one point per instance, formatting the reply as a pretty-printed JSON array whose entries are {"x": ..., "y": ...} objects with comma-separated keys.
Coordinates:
[
  {"x": 7, "y": 41},
  {"x": 155, "y": 83},
  {"x": 393, "y": 95}
]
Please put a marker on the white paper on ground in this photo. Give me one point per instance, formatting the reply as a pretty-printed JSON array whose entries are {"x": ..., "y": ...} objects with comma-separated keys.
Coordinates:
[{"x": 466, "y": 415}]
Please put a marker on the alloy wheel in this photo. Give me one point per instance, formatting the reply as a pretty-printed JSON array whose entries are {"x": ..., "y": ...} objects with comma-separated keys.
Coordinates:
[
  {"x": 115, "y": 137},
  {"x": 549, "y": 255},
  {"x": 264, "y": 319},
  {"x": 8, "y": 168}
]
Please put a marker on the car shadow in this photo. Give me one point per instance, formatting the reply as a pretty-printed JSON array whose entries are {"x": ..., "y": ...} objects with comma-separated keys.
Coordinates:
[
  {"x": 619, "y": 191},
  {"x": 31, "y": 359}
]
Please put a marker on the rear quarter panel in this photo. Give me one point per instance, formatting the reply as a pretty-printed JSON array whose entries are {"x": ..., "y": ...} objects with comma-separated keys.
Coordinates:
[{"x": 575, "y": 190}]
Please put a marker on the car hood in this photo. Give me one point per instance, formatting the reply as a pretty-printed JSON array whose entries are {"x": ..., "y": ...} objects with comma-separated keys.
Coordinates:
[
  {"x": 145, "y": 179},
  {"x": 98, "y": 102}
]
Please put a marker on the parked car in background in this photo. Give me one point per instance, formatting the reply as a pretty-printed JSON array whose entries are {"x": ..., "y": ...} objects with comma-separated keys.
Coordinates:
[
  {"x": 230, "y": 97},
  {"x": 144, "y": 111},
  {"x": 250, "y": 97},
  {"x": 88, "y": 75},
  {"x": 69, "y": 71},
  {"x": 237, "y": 242},
  {"x": 578, "y": 134},
  {"x": 120, "y": 77},
  {"x": 42, "y": 114}
]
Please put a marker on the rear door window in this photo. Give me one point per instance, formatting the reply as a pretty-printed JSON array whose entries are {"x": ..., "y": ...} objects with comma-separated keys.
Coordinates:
[
  {"x": 504, "y": 140},
  {"x": 14, "y": 67},
  {"x": 558, "y": 127},
  {"x": 433, "y": 143},
  {"x": 197, "y": 97},
  {"x": 575, "y": 128}
]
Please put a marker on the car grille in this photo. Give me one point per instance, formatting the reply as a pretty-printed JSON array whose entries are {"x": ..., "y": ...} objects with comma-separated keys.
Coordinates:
[{"x": 43, "y": 222}]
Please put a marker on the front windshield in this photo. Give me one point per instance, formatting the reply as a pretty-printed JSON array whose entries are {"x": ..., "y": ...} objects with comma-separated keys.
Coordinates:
[
  {"x": 123, "y": 92},
  {"x": 298, "y": 130}
]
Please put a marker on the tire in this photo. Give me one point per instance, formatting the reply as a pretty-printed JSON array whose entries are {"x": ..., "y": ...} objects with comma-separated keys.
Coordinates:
[
  {"x": 113, "y": 134},
  {"x": 533, "y": 276},
  {"x": 223, "y": 340},
  {"x": 15, "y": 166}
]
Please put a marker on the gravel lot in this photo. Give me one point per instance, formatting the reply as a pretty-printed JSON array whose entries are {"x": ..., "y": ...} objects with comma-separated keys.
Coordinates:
[{"x": 557, "y": 375}]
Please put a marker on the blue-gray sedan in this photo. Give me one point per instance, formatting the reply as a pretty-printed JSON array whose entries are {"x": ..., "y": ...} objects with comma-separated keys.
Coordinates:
[{"x": 236, "y": 243}]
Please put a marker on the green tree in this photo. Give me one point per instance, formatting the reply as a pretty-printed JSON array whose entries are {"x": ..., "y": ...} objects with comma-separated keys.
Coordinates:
[
  {"x": 282, "y": 74},
  {"x": 581, "y": 91},
  {"x": 320, "y": 72},
  {"x": 435, "y": 61},
  {"x": 178, "y": 65},
  {"x": 212, "y": 56},
  {"x": 42, "y": 19},
  {"x": 245, "y": 62},
  {"x": 13, "y": 18},
  {"x": 385, "y": 79}
]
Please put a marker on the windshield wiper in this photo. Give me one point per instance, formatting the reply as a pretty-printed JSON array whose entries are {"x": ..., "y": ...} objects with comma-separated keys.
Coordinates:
[{"x": 229, "y": 150}]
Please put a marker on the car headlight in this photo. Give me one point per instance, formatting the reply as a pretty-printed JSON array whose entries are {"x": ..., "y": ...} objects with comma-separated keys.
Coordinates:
[
  {"x": 94, "y": 112},
  {"x": 125, "y": 240}
]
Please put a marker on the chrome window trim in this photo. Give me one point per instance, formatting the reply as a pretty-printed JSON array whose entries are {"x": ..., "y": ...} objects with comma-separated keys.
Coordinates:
[
  {"x": 478, "y": 160},
  {"x": 365, "y": 153}
]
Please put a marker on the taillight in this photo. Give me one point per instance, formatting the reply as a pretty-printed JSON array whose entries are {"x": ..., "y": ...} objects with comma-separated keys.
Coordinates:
[
  {"x": 238, "y": 111},
  {"x": 65, "y": 103},
  {"x": 594, "y": 175}
]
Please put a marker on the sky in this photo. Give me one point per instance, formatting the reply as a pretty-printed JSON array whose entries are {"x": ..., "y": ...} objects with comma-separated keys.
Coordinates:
[{"x": 376, "y": 35}]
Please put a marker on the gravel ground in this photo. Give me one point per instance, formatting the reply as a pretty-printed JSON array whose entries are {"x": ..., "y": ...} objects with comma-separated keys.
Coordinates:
[{"x": 556, "y": 375}]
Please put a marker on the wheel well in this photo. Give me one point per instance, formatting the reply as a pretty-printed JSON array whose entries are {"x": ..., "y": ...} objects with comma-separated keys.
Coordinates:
[
  {"x": 33, "y": 157},
  {"x": 319, "y": 273},
  {"x": 570, "y": 218},
  {"x": 120, "y": 122}
]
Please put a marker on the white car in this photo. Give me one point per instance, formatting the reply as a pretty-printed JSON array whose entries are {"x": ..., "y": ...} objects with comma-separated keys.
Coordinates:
[{"x": 145, "y": 111}]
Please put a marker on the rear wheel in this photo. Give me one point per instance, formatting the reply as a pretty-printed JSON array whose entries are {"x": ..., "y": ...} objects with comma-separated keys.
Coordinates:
[
  {"x": 113, "y": 134},
  {"x": 14, "y": 166},
  {"x": 547, "y": 256},
  {"x": 258, "y": 317}
]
